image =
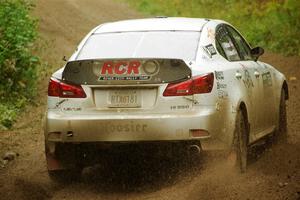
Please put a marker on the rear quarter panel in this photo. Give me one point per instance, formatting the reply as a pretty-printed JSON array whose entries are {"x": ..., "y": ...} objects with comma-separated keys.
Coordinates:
[{"x": 228, "y": 92}]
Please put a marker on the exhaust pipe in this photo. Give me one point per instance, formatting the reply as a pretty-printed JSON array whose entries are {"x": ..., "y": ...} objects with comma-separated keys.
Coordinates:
[{"x": 194, "y": 149}]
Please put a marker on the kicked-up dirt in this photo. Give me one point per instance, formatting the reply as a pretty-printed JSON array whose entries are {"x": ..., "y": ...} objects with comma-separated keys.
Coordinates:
[{"x": 273, "y": 174}]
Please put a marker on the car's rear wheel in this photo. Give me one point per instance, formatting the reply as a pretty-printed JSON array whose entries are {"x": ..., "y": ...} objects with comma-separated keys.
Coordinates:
[
  {"x": 280, "y": 135},
  {"x": 240, "y": 143}
]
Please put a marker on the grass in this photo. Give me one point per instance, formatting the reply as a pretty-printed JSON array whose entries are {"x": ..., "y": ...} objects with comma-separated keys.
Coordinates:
[{"x": 18, "y": 65}]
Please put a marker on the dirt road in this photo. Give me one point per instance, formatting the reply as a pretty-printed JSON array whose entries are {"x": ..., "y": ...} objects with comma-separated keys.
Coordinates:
[{"x": 274, "y": 174}]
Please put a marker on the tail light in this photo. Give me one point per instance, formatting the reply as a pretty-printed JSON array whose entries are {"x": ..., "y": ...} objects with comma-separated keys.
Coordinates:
[
  {"x": 196, "y": 85},
  {"x": 60, "y": 89}
]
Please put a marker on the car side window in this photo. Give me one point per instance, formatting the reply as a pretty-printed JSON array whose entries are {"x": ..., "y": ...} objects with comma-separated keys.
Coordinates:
[
  {"x": 242, "y": 46},
  {"x": 224, "y": 41},
  {"x": 220, "y": 50}
]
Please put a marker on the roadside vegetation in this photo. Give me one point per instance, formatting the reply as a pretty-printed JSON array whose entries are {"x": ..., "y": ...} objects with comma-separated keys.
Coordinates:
[
  {"x": 18, "y": 66},
  {"x": 272, "y": 24}
]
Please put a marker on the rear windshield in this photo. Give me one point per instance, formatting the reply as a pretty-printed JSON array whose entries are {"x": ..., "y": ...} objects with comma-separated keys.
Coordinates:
[{"x": 160, "y": 44}]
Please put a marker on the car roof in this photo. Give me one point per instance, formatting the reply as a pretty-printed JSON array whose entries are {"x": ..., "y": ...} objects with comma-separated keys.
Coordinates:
[{"x": 153, "y": 24}]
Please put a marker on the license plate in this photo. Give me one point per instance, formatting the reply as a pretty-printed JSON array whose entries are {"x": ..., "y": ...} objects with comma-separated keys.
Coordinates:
[{"x": 124, "y": 99}]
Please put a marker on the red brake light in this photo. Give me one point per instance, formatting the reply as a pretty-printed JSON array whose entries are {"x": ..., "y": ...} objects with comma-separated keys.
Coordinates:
[
  {"x": 59, "y": 89},
  {"x": 53, "y": 88},
  {"x": 196, "y": 85}
]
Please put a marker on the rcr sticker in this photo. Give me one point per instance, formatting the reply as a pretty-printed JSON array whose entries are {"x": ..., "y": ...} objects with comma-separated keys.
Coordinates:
[
  {"x": 121, "y": 67},
  {"x": 126, "y": 70}
]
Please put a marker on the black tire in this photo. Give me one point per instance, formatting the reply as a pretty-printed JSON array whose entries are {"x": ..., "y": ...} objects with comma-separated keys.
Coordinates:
[
  {"x": 280, "y": 135},
  {"x": 240, "y": 143}
]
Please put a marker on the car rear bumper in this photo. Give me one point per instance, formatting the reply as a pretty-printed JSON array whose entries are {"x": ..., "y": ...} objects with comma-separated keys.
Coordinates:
[{"x": 129, "y": 127}]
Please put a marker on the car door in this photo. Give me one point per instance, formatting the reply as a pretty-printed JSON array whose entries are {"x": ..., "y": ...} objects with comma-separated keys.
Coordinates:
[
  {"x": 268, "y": 97},
  {"x": 260, "y": 77},
  {"x": 245, "y": 74}
]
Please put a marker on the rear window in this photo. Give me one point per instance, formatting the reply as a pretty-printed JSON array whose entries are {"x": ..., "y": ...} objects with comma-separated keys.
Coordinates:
[{"x": 160, "y": 44}]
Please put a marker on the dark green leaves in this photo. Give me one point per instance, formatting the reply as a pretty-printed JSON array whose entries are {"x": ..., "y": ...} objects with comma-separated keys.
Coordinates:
[{"x": 18, "y": 31}]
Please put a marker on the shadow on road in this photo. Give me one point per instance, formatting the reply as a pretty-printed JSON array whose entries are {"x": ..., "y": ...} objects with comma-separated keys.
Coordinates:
[{"x": 138, "y": 171}]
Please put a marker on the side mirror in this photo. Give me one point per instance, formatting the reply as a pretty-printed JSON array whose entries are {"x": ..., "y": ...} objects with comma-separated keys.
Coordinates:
[{"x": 256, "y": 52}]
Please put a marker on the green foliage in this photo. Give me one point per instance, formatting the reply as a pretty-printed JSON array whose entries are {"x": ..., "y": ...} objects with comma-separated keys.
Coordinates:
[
  {"x": 9, "y": 112},
  {"x": 273, "y": 24},
  {"x": 18, "y": 67}
]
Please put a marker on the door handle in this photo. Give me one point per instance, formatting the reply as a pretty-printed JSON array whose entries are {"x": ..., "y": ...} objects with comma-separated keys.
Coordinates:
[
  {"x": 238, "y": 75},
  {"x": 256, "y": 74}
]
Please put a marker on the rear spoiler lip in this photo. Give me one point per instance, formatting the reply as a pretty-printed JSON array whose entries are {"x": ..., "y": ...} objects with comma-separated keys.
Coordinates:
[
  {"x": 133, "y": 58},
  {"x": 87, "y": 72}
]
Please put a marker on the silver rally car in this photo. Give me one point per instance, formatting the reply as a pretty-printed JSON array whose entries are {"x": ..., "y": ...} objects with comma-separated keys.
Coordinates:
[{"x": 163, "y": 80}]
